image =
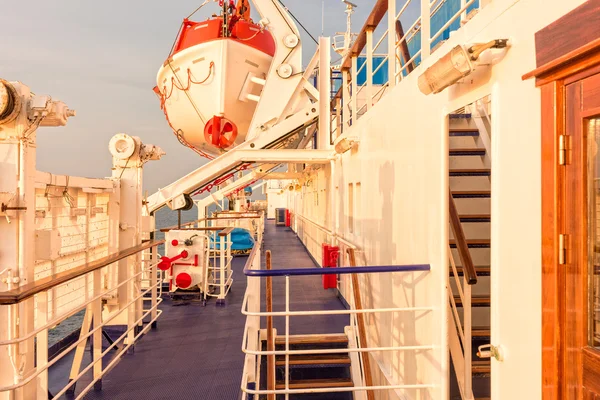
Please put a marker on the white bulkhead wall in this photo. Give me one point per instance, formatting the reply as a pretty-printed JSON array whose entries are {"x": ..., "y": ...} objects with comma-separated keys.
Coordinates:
[{"x": 400, "y": 216}]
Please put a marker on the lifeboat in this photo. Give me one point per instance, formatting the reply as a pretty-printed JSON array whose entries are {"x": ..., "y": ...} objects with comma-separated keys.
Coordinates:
[{"x": 211, "y": 82}]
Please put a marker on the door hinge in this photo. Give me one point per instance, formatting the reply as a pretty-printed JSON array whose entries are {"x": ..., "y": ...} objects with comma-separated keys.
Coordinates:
[
  {"x": 564, "y": 146},
  {"x": 562, "y": 249}
]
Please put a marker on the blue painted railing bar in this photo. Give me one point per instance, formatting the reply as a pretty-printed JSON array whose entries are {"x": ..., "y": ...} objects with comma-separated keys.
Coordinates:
[{"x": 337, "y": 271}]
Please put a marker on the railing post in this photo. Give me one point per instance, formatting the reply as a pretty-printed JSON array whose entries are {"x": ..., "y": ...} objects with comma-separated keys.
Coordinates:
[
  {"x": 468, "y": 338},
  {"x": 354, "y": 90},
  {"x": 228, "y": 258},
  {"x": 287, "y": 335},
  {"x": 425, "y": 30},
  {"x": 222, "y": 278},
  {"x": 97, "y": 335},
  {"x": 345, "y": 100},
  {"x": 270, "y": 338},
  {"x": 41, "y": 351},
  {"x": 369, "y": 67},
  {"x": 324, "y": 134},
  {"x": 338, "y": 117},
  {"x": 155, "y": 282},
  {"x": 391, "y": 43}
]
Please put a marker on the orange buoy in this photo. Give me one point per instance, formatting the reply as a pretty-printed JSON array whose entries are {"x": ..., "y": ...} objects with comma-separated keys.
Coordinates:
[{"x": 220, "y": 132}]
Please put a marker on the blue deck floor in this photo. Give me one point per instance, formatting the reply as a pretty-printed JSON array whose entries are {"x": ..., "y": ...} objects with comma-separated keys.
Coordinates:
[{"x": 196, "y": 351}]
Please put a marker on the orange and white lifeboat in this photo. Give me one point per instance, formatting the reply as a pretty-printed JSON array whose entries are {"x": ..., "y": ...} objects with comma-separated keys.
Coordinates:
[{"x": 211, "y": 82}]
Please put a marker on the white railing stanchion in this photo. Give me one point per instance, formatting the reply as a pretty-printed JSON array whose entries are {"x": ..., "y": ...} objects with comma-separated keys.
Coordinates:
[
  {"x": 354, "y": 90},
  {"x": 369, "y": 71},
  {"x": 287, "y": 335},
  {"x": 425, "y": 30},
  {"x": 467, "y": 346},
  {"x": 222, "y": 278},
  {"x": 41, "y": 351},
  {"x": 96, "y": 311},
  {"x": 154, "y": 280}
]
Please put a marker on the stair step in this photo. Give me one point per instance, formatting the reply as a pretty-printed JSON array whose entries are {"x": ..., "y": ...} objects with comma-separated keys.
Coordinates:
[
  {"x": 471, "y": 172},
  {"x": 313, "y": 339},
  {"x": 481, "y": 270},
  {"x": 481, "y": 367},
  {"x": 467, "y": 152},
  {"x": 473, "y": 243},
  {"x": 474, "y": 217},
  {"x": 471, "y": 194},
  {"x": 459, "y": 116},
  {"x": 476, "y": 301},
  {"x": 316, "y": 383},
  {"x": 464, "y": 132},
  {"x": 314, "y": 359},
  {"x": 480, "y": 331}
]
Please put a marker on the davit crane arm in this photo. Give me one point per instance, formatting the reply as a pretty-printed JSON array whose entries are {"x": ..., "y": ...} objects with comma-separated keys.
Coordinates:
[{"x": 285, "y": 73}]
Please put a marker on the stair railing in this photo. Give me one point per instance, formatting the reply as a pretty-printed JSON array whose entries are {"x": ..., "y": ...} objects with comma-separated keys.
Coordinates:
[
  {"x": 251, "y": 345},
  {"x": 362, "y": 331},
  {"x": 460, "y": 334}
]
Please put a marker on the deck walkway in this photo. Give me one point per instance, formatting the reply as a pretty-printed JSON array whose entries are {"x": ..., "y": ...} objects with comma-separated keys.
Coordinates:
[{"x": 196, "y": 351}]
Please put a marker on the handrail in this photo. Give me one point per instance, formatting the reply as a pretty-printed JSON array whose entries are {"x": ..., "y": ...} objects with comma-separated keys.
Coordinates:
[
  {"x": 373, "y": 269},
  {"x": 379, "y": 10},
  {"x": 27, "y": 291},
  {"x": 461, "y": 242},
  {"x": 226, "y": 231},
  {"x": 362, "y": 331},
  {"x": 327, "y": 231},
  {"x": 208, "y": 219}
]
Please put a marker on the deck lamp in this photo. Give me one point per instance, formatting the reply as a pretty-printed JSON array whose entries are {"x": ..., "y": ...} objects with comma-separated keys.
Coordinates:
[
  {"x": 345, "y": 143},
  {"x": 454, "y": 66}
]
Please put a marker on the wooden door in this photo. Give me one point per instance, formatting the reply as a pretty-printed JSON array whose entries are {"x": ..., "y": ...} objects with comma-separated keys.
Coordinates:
[{"x": 580, "y": 214}]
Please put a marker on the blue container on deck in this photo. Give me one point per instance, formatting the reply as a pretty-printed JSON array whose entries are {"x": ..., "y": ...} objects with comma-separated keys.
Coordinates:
[{"x": 241, "y": 240}]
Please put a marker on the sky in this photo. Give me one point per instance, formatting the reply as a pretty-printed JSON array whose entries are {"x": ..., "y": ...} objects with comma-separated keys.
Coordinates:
[{"x": 101, "y": 59}]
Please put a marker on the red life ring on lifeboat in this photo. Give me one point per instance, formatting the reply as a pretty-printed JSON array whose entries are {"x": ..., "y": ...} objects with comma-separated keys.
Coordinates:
[{"x": 220, "y": 132}]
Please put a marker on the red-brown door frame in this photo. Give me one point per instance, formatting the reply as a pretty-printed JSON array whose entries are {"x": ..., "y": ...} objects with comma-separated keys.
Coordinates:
[{"x": 567, "y": 51}]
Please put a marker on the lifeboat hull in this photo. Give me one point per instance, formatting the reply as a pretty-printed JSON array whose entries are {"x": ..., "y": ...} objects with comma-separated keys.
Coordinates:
[{"x": 211, "y": 79}]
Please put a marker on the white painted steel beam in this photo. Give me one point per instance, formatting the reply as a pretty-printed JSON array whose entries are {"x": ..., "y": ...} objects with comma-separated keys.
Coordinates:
[
  {"x": 286, "y": 155},
  {"x": 324, "y": 135},
  {"x": 231, "y": 159},
  {"x": 284, "y": 175},
  {"x": 46, "y": 178}
]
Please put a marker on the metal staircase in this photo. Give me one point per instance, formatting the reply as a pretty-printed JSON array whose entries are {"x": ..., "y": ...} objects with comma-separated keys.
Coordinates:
[
  {"x": 312, "y": 370},
  {"x": 470, "y": 175}
]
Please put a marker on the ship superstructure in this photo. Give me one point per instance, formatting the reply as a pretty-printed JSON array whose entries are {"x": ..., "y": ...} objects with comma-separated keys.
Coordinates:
[{"x": 429, "y": 230}]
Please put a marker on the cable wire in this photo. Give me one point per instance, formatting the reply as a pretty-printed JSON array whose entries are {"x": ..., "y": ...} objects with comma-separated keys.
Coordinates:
[{"x": 299, "y": 23}]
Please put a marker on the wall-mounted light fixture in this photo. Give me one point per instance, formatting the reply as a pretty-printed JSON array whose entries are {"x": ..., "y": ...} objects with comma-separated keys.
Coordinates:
[
  {"x": 454, "y": 66},
  {"x": 345, "y": 143}
]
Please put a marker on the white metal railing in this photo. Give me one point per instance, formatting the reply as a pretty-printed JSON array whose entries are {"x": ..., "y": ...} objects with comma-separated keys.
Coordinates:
[
  {"x": 218, "y": 262},
  {"x": 460, "y": 333},
  {"x": 142, "y": 284},
  {"x": 251, "y": 342},
  {"x": 399, "y": 60}
]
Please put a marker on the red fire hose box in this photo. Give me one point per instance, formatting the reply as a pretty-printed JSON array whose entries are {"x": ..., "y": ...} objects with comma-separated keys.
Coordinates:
[
  {"x": 330, "y": 259},
  {"x": 287, "y": 217}
]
